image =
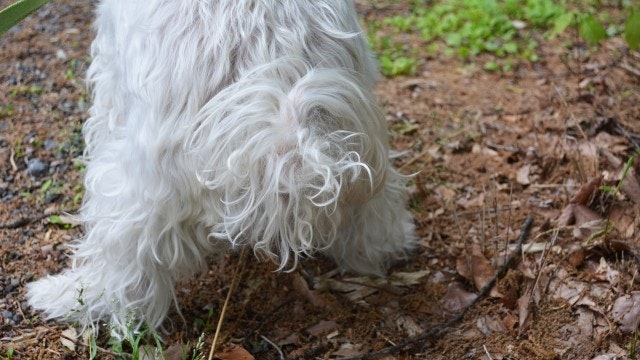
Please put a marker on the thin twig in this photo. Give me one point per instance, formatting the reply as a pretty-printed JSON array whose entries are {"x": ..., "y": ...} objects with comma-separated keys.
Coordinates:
[
  {"x": 234, "y": 283},
  {"x": 12, "y": 161},
  {"x": 271, "y": 313},
  {"x": 274, "y": 345},
  {"x": 487, "y": 352},
  {"x": 439, "y": 330}
]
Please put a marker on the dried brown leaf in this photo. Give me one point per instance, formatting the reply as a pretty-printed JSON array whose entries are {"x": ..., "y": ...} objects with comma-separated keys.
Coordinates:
[
  {"x": 567, "y": 217},
  {"x": 524, "y": 302},
  {"x": 463, "y": 267},
  {"x": 490, "y": 325},
  {"x": 456, "y": 298},
  {"x": 626, "y": 312},
  {"x": 400, "y": 278},
  {"x": 584, "y": 215},
  {"x": 408, "y": 325},
  {"x": 510, "y": 321},
  {"x": 568, "y": 289},
  {"x": 631, "y": 187},
  {"x": 348, "y": 350},
  {"x": 176, "y": 352},
  {"x": 300, "y": 285},
  {"x": 292, "y": 339},
  {"x": 322, "y": 327},
  {"x": 623, "y": 219},
  {"x": 482, "y": 270},
  {"x": 235, "y": 353},
  {"x": 68, "y": 338},
  {"x": 522, "y": 175},
  {"x": 587, "y": 190},
  {"x": 472, "y": 203},
  {"x": 576, "y": 255}
]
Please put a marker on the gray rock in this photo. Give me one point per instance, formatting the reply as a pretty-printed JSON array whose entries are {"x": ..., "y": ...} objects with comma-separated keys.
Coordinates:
[
  {"x": 37, "y": 167},
  {"x": 50, "y": 144}
]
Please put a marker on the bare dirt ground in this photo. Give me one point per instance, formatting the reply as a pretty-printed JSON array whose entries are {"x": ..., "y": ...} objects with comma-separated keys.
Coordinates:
[{"x": 489, "y": 150}]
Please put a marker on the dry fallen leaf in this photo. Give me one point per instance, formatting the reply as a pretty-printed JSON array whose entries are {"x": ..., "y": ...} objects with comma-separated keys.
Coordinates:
[
  {"x": 587, "y": 190},
  {"x": 348, "y": 350},
  {"x": 68, "y": 338},
  {"x": 407, "y": 278},
  {"x": 301, "y": 287},
  {"x": 631, "y": 187},
  {"x": 483, "y": 271},
  {"x": 490, "y": 325},
  {"x": 524, "y": 302},
  {"x": 584, "y": 215},
  {"x": 408, "y": 325},
  {"x": 472, "y": 203},
  {"x": 456, "y": 298},
  {"x": 567, "y": 217},
  {"x": 322, "y": 327},
  {"x": 235, "y": 353},
  {"x": 522, "y": 176},
  {"x": 623, "y": 217},
  {"x": 626, "y": 312}
]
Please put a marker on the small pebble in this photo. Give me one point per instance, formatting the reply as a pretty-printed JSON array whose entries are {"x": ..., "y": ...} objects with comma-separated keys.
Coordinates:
[
  {"x": 52, "y": 197},
  {"x": 60, "y": 54},
  {"x": 7, "y": 314},
  {"x": 15, "y": 281},
  {"x": 37, "y": 167},
  {"x": 50, "y": 144}
]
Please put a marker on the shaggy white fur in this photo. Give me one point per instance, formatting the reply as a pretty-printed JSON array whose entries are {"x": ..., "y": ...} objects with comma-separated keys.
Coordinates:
[{"x": 218, "y": 124}]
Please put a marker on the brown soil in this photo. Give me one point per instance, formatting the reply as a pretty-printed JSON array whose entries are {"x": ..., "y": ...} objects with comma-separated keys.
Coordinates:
[{"x": 488, "y": 150}]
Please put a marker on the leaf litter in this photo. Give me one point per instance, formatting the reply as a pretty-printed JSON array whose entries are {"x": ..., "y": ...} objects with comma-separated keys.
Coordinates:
[{"x": 549, "y": 140}]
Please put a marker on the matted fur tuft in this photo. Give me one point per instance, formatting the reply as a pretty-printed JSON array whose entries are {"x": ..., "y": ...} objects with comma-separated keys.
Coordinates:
[{"x": 219, "y": 124}]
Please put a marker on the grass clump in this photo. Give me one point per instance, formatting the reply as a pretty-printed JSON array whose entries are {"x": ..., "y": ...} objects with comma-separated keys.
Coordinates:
[{"x": 508, "y": 31}]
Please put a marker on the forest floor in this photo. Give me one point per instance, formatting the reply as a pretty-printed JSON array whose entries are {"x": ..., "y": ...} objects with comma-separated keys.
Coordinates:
[{"x": 488, "y": 150}]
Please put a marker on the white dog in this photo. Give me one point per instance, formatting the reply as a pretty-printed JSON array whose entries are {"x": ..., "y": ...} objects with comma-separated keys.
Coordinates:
[{"x": 218, "y": 124}]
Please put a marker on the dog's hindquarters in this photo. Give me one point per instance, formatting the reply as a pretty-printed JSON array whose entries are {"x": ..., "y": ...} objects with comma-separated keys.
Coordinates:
[
  {"x": 284, "y": 151},
  {"x": 235, "y": 120}
]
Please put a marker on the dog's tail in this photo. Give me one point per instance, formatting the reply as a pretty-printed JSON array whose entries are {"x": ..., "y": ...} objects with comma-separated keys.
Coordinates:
[{"x": 285, "y": 149}]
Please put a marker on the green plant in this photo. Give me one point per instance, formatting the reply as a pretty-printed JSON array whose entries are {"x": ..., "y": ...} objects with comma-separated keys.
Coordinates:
[
  {"x": 625, "y": 172},
  {"x": 93, "y": 347},
  {"x": 198, "y": 350},
  {"x": 60, "y": 221},
  {"x": 17, "y": 11},
  {"x": 133, "y": 342},
  {"x": 10, "y": 353},
  {"x": 206, "y": 324},
  {"x": 632, "y": 345},
  {"x": 505, "y": 30},
  {"x": 590, "y": 30},
  {"x": 70, "y": 73},
  {"x": 6, "y": 110},
  {"x": 607, "y": 227},
  {"x": 25, "y": 90},
  {"x": 632, "y": 29}
]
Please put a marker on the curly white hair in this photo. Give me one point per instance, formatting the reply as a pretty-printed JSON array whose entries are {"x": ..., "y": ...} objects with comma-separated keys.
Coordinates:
[{"x": 218, "y": 124}]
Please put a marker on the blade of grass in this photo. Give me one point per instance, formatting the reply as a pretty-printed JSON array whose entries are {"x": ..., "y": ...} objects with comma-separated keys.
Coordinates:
[{"x": 17, "y": 11}]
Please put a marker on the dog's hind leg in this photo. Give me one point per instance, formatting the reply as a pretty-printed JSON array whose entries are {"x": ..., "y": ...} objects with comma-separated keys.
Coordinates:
[{"x": 377, "y": 232}]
